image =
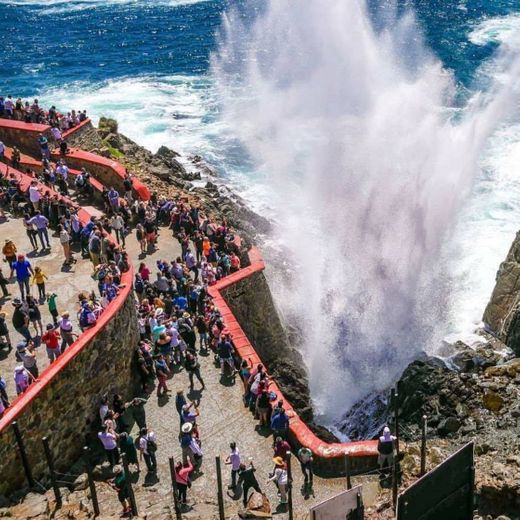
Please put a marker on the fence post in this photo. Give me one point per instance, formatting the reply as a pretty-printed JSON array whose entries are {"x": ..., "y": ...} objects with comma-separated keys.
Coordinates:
[
  {"x": 50, "y": 463},
  {"x": 133, "y": 504},
  {"x": 360, "y": 507},
  {"x": 423, "y": 445},
  {"x": 91, "y": 484},
  {"x": 220, "y": 495},
  {"x": 394, "y": 483},
  {"x": 396, "y": 418},
  {"x": 23, "y": 454},
  {"x": 289, "y": 484},
  {"x": 348, "y": 471},
  {"x": 178, "y": 514}
]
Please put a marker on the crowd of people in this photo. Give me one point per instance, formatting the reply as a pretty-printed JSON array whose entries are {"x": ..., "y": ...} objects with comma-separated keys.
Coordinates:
[
  {"x": 32, "y": 112},
  {"x": 177, "y": 319}
]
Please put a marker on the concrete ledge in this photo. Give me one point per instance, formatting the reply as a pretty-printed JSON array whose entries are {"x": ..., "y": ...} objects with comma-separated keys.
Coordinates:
[
  {"x": 23, "y": 135},
  {"x": 25, "y": 127},
  {"x": 329, "y": 458},
  {"x": 108, "y": 171},
  {"x": 74, "y": 129}
]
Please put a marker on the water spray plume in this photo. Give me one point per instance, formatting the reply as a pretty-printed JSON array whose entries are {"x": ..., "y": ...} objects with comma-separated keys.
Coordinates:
[{"x": 369, "y": 164}]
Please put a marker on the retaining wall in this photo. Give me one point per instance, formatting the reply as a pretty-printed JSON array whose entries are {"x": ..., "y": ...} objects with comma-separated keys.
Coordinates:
[
  {"x": 63, "y": 402},
  {"x": 108, "y": 171},
  {"x": 23, "y": 135},
  {"x": 329, "y": 458}
]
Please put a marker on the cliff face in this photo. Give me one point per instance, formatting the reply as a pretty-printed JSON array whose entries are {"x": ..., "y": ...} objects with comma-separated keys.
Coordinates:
[{"x": 502, "y": 314}]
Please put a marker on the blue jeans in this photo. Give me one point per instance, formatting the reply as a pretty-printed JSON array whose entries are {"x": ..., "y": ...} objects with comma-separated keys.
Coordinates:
[
  {"x": 25, "y": 289},
  {"x": 43, "y": 233}
]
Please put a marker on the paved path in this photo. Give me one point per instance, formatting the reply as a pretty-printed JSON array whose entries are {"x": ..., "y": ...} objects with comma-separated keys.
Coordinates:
[
  {"x": 66, "y": 282},
  {"x": 223, "y": 419}
]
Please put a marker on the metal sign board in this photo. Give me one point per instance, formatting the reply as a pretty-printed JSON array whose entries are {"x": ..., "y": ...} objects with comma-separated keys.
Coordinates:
[
  {"x": 347, "y": 505},
  {"x": 445, "y": 492}
]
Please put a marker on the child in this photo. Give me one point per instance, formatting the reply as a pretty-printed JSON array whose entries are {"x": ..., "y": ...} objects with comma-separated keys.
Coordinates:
[
  {"x": 53, "y": 309},
  {"x": 39, "y": 278}
]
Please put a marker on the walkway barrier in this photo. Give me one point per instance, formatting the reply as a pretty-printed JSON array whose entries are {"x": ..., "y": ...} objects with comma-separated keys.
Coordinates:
[
  {"x": 329, "y": 458},
  {"x": 23, "y": 135}
]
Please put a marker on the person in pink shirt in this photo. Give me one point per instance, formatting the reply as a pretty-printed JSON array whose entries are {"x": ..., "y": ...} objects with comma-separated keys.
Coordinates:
[{"x": 182, "y": 477}]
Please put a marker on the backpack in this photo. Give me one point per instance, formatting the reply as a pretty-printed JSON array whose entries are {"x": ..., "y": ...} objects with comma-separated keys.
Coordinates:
[{"x": 151, "y": 446}]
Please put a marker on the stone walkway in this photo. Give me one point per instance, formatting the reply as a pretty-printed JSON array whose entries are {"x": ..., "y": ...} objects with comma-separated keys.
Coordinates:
[
  {"x": 66, "y": 282},
  {"x": 223, "y": 419}
]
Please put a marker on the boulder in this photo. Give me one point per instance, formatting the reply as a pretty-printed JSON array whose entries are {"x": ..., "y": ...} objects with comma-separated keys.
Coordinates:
[
  {"x": 449, "y": 425},
  {"x": 493, "y": 401},
  {"x": 113, "y": 141}
]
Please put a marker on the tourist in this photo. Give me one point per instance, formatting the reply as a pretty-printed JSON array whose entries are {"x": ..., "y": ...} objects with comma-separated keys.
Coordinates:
[
  {"x": 65, "y": 244},
  {"x": 305, "y": 458},
  {"x": 2, "y": 151},
  {"x": 44, "y": 147},
  {"x": 137, "y": 411},
  {"x": 9, "y": 251},
  {"x": 182, "y": 478},
  {"x": 25, "y": 352},
  {"x": 120, "y": 484},
  {"x": 225, "y": 355},
  {"x": 3, "y": 284},
  {"x": 161, "y": 371},
  {"x": 192, "y": 365},
  {"x": 39, "y": 278},
  {"x": 23, "y": 270},
  {"x": 263, "y": 407},
  {"x": 118, "y": 225},
  {"x": 113, "y": 198},
  {"x": 35, "y": 195},
  {"x": 22, "y": 379},
  {"x": 234, "y": 460},
  {"x": 35, "y": 316},
  {"x": 108, "y": 438},
  {"x": 385, "y": 448},
  {"x": 246, "y": 476},
  {"x": 185, "y": 442},
  {"x": 51, "y": 340},
  {"x": 4, "y": 331},
  {"x": 280, "y": 424},
  {"x": 21, "y": 319},
  {"x": 42, "y": 224},
  {"x": 180, "y": 402},
  {"x": 127, "y": 446},
  {"x": 281, "y": 448},
  {"x": 279, "y": 477},
  {"x": 53, "y": 308},
  {"x": 141, "y": 238},
  {"x": 147, "y": 448},
  {"x": 67, "y": 335},
  {"x": 94, "y": 247}
]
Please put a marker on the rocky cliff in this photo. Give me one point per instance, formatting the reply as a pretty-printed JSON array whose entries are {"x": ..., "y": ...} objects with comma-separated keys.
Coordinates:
[{"x": 502, "y": 314}]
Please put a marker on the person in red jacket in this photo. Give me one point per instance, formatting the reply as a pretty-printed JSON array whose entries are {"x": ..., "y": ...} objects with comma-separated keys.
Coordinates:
[{"x": 182, "y": 477}]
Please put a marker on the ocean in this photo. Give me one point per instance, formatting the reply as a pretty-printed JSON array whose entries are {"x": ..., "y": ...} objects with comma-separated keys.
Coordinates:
[{"x": 161, "y": 68}]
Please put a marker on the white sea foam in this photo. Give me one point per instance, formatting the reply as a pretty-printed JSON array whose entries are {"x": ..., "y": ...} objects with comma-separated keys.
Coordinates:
[
  {"x": 49, "y": 7},
  {"x": 503, "y": 29},
  {"x": 370, "y": 169}
]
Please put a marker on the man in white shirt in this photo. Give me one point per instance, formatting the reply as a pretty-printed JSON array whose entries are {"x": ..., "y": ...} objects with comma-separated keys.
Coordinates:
[
  {"x": 35, "y": 195},
  {"x": 234, "y": 459},
  {"x": 9, "y": 106},
  {"x": 148, "y": 447},
  {"x": 109, "y": 441},
  {"x": 63, "y": 170},
  {"x": 55, "y": 131}
]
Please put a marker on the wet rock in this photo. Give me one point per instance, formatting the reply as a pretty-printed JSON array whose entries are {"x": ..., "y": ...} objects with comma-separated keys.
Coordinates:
[{"x": 493, "y": 401}]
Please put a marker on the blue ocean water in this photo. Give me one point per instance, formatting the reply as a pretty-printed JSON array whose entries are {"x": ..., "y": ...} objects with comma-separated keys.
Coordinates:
[{"x": 147, "y": 63}]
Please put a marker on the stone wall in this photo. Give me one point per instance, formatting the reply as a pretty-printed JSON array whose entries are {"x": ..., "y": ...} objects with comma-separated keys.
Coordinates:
[
  {"x": 66, "y": 403},
  {"x": 502, "y": 314},
  {"x": 84, "y": 136},
  {"x": 23, "y": 135},
  {"x": 252, "y": 304}
]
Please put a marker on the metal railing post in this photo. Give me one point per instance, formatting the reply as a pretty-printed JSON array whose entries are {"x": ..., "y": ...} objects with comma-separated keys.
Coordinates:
[
  {"x": 289, "y": 485},
  {"x": 220, "y": 495},
  {"x": 91, "y": 483},
  {"x": 23, "y": 454},
  {"x": 423, "y": 445},
  {"x": 50, "y": 463}
]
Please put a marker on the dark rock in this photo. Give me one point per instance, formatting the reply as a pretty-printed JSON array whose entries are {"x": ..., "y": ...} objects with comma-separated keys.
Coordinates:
[
  {"x": 449, "y": 425},
  {"x": 113, "y": 141}
]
